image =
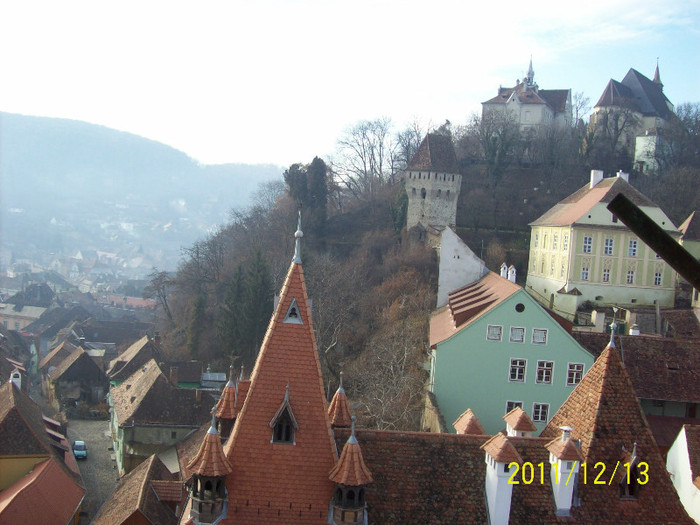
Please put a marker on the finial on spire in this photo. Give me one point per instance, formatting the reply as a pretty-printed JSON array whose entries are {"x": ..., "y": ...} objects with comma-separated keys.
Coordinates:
[
  {"x": 340, "y": 386},
  {"x": 212, "y": 429},
  {"x": 613, "y": 328},
  {"x": 230, "y": 376},
  {"x": 352, "y": 439},
  {"x": 298, "y": 235},
  {"x": 240, "y": 377},
  {"x": 657, "y": 75},
  {"x": 530, "y": 73},
  {"x": 286, "y": 393}
]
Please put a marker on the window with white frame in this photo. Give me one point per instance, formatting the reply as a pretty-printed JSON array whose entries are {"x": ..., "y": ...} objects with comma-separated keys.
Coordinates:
[
  {"x": 632, "y": 248},
  {"x": 630, "y": 277},
  {"x": 574, "y": 374},
  {"x": 587, "y": 244},
  {"x": 539, "y": 336},
  {"x": 544, "y": 371},
  {"x": 517, "y": 370},
  {"x": 608, "y": 248},
  {"x": 517, "y": 334},
  {"x": 657, "y": 278},
  {"x": 494, "y": 332},
  {"x": 584, "y": 273},
  {"x": 606, "y": 275},
  {"x": 555, "y": 241},
  {"x": 510, "y": 405},
  {"x": 565, "y": 243},
  {"x": 540, "y": 412}
]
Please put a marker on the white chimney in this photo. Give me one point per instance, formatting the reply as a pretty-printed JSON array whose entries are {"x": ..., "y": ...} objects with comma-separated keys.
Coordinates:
[
  {"x": 504, "y": 270},
  {"x": 499, "y": 454},
  {"x": 598, "y": 320},
  {"x": 634, "y": 329},
  {"x": 16, "y": 378},
  {"x": 511, "y": 273},
  {"x": 622, "y": 175},
  {"x": 564, "y": 458},
  {"x": 596, "y": 177}
]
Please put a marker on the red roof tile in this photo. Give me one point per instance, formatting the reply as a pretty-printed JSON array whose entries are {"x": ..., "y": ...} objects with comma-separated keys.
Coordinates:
[
  {"x": 47, "y": 494},
  {"x": 351, "y": 470},
  {"x": 564, "y": 450},
  {"x": 500, "y": 449},
  {"x": 339, "y": 409},
  {"x": 210, "y": 460},
  {"x": 468, "y": 423},
  {"x": 519, "y": 420},
  {"x": 435, "y": 153},
  {"x": 283, "y": 480}
]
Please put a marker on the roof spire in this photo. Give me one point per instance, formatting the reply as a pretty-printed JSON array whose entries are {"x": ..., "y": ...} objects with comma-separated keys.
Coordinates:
[
  {"x": 613, "y": 328},
  {"x": 352, "y": 439},
  {"x": 530, "y": 78},
  {"x": 212, "y": 428},
  {"x": 657, "y": 76},
  {"x": 298, "y": 235}
]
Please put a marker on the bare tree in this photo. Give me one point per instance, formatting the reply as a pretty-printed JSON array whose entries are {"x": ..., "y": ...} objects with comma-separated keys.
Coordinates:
[
  {"x": 609, "y": 142},
  {"x": 158, "y": 289},
  {"x": 580, "y": 106},
  {"x": 499, "y": 137}
]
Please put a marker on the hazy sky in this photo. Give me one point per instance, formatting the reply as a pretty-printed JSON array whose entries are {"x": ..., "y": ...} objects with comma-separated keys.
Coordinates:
[{"x": 278, "y": 81}]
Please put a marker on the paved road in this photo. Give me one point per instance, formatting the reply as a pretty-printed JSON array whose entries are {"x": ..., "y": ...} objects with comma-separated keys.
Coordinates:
[{"x": 98, "y": 470}]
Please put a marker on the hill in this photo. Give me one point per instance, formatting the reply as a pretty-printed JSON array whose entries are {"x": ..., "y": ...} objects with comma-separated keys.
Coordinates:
[{"x": 69, "y": 185}]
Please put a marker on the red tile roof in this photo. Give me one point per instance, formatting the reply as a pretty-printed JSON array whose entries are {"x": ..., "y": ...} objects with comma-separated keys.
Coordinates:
[
  {"x": 210, "y": 460},
  {"x": 607, "y": 418},
  {"x": 136, "y": 500},
  {"x": 502, "y": 450},
  {"x": 564, "y": 450},
  {"x": 468, "y": 423},
  {"x": 469, "y": 303},
  {"x": 339, "y": 409},
  {"x": 351, "y": 470},
  {"x": 519, "y": 420},
  {"x": 284, "y": 481},
  {"x": 435, "y": 153},
  {"x": 47, "y": 494}
]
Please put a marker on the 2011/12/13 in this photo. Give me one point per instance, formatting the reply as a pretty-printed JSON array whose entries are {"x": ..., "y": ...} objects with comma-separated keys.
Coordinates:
[{"x": 641, "y": 476}]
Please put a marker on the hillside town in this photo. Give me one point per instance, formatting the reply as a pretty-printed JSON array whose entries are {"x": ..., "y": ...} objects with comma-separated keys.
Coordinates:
[{"x": 394, "y": 371}]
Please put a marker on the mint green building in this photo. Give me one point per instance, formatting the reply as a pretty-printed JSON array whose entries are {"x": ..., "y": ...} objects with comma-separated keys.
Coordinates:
[{"x": 493, "y": 347}]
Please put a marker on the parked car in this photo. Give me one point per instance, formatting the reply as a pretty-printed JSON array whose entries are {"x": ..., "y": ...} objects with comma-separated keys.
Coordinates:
[{"x": 80, "y": 450}]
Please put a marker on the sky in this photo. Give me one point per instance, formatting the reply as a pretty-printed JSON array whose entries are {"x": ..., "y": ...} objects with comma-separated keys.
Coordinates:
[{"x": 280, "y": 81}]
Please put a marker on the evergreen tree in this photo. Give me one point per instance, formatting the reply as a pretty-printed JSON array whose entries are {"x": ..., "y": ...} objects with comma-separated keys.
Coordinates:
[
  {"x": 258, "y": 300},
  {"x": 317, "y": 196},
  {"x": 196, "y": 326},
  {"x": 232, "y": 328}
]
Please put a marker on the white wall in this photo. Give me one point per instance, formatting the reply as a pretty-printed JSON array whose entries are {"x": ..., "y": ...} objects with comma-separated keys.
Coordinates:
[
  {"x": 458, "y": 265},
  {"x": 678, "y": 465}
]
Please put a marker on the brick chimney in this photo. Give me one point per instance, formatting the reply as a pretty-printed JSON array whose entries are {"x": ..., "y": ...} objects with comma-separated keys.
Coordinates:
[
  {"x": 173, "y": 375},
  {"x": 596, "y": 177}
]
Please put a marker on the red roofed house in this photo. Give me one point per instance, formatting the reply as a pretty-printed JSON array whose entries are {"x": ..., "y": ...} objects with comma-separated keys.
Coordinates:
[
  {"x": 530, "y": 106},
  {"x": 280, "y": 464}
]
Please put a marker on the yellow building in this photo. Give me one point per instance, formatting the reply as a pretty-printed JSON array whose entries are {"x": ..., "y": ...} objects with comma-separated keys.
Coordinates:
[{"x": 579, "y": 252}]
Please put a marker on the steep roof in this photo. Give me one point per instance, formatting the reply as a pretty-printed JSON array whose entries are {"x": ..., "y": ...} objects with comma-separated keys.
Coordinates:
[
  {"x": 519, "y": 420},
  {"x": 136, "y": 497},
  {"x": 569, "y": 210},
  {"x": 147, "y": 397},
  {"x": 56, "y": 355},
  {"x": 691, "y": 227},
  {"x": 210, "y": 460},
  {"x": 351, "y": 470},
  {"x": 681, "y": 323},
  {"x": 502, "y": 450},
  {"x": 468, "y": 423},
  {"x": 636, "y": 92},
  {"x": 607, "y": 418},
  {"x": 661, "y": 368},
  {"x": 66, "y": 363},
  {"x": 554, "y": 98},
  {"x": 47, "y": 494},
  {"x": 469, "y": 303},
  {"x": 435, "y": 153},
  {"x": 293, "y": 477},
  {"x": 339, "y": 409},
  {"x": 133, "y": 358}
]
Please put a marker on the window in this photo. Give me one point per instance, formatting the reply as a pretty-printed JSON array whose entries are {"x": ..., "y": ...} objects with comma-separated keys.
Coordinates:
[
  {"x": 493, "y": 332},
  {"x": 614, "y": 217},
  {"x": 537, "y": 239},
  {"x": 510, "y": 405},
  {"x": 574, "y": 374},
  {"x": 606, "y": 275},
  {"x": 540, "y": 412},
  {"x": 630, "y": 277},
  {"x": 551, "y": 268},
  {"x": 292, "y": 315},
  {"x": 539, "y": 336},
  {"x": 587, "y": 244},
  {"x": 517, "y": 334},
  {"x": 422, "y": 193},
  {"x": 657, "y": 279},
  {"x": 517, "y": 370},
  {"x": 562, "y": 271},
  {"x": 173, "y": 435},
  {"x": 544, "y": 371},
  {"x": 555, "y": 241},
  {"x": 565, "y": 243},
  {"x": 584, "y": 273},
  {"x": 283, "y": 431},
  {"x": 608, "y": 249},
  {"x": 632, "y": 250}
]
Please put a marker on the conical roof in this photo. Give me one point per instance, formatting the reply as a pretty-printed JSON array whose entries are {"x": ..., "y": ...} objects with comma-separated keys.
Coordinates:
[
  {"x": 468, "y": 423},
  {"x": 351, "y": 470},
  {"x": 210, "y": 461},
  {"x": 339, "y": 409}
]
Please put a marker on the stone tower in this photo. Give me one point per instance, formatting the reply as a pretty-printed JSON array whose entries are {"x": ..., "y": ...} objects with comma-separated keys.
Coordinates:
[{"x": 433, "y": 183}]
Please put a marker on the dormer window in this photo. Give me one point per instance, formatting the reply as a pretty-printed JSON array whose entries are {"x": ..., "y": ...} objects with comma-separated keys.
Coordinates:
[
  {"x": 284, "y": 424},
  {"x": 293, "y": 314}
]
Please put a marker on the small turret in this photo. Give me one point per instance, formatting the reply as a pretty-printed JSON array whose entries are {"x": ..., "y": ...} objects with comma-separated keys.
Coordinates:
[{"x": 339, "y": 410}]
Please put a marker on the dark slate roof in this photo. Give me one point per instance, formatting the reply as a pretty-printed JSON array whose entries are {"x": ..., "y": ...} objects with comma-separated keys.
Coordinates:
[
  {"x": 556, "y": 98},
  {"x": 636, "y": 92},
  {"x": 691, "y": 227},
  {"x": 681, "y": 323},
  {"x": 53, "y": 320},
  {"x": 187, "y": 371},
  {"x": 435, "y": 153},
  {"x": 661, "y": 368},
  {"x": 135, "y": 499}
]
